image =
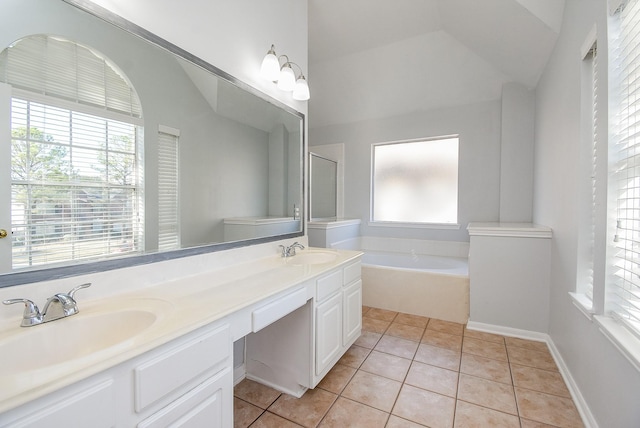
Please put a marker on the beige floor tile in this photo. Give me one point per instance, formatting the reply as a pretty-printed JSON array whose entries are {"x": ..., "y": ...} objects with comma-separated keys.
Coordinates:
[
  {"x": 269, "y": 420},
  {"x": 337, "y": 378},
  {"x": 372, "y": 390},
  {"x": 414, "y": 320},
  {"x": 244, "y": 413},
  {"x": 396, "y": 422},
  {"x": 255, "y": 393},
  {"x": 354, "y": 356},
  {"x": 527, "y": 344},
  {"x": 471, "y": 416},
  {"x": 527, "y": 357},
  {"x": 348, "y": 413},
  {"x": 481, "y": 335},
  {"x": 425, "y": 407},
  {"x": 397, "y": 346},
  {"x": 446, "y": 327},
  {"x": 486, "y": 368},
  {"x": 525, "y": 423},
  {"x": 386, "y": 365},
  {"x": 374, "y": 325},
  {"x": 307, "y": 410},
  {"x": 381, "y": 314},
  {"x": 439, "y": 357},
  {"x": 368, "y": 339},
  {"x": 405, "y": 331},
  {"x": 548, "y": 409},
  {"x": 495, "y": 351},
  {"x": 447, "y": 377},
  {"x": 433, "y": 378},
  {"x": 442, "y": 340},
  {"x": 547, "y": 381},
  {"x": 487, "y": 393}
]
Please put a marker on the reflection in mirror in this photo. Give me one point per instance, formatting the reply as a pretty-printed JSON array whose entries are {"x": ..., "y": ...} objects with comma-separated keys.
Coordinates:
[
  {"x": 122, "y": 150},
  {"x": 323, "y": 187}
]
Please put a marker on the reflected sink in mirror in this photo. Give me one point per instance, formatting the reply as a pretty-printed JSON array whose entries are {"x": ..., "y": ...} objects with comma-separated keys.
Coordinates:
[
  {"x": 70, "y": 339},
  {"x": 312, "y": 257}
]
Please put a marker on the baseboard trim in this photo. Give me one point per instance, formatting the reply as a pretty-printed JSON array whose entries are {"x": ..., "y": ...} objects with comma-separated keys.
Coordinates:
[
  {"x": 584, "y": 410},
  {"x": 239, "y": 373}
]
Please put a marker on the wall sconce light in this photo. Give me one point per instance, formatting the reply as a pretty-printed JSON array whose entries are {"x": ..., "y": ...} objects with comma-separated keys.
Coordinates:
[{"x": 284, "y": 75}]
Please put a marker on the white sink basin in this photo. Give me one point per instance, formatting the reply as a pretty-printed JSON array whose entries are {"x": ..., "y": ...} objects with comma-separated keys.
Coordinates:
[
  {"x": 312, "y": 257},
  {"x": 70, "y": 339}
]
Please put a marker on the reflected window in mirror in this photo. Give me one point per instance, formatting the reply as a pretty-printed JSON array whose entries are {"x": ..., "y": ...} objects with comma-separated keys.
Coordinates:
[
  {"x": 168, "y": 203},
  {"x": 76, "y": 164}
]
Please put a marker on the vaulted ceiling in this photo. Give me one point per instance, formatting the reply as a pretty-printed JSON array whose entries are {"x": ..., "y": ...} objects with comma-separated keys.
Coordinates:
[{"x": 374, "y": 59}]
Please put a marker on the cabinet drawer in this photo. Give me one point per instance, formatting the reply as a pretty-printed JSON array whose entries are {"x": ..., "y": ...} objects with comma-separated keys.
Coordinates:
[
  {"x": 167, "y": 372},
  {"x": 91, "y": 406},
  {"x": 277, "y": 309},
  {"x": 327, "y": 285},
  {"x": 202, "y": 406},
  {"x": 352, "y": 272}
]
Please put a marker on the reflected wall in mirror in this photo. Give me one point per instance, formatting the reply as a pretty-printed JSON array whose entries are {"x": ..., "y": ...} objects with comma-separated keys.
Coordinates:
[
  {"x": 322, "y": 187},
  {"x": 170, "y": 154}
]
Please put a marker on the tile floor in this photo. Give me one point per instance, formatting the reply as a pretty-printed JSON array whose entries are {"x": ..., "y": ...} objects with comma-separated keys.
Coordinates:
[{"x": 410, "y": 371}]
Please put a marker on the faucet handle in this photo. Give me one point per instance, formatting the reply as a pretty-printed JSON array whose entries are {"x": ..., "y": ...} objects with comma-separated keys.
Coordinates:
[
  {"x": 79, "y": 287},
  {"x": 31, "y": 315}
]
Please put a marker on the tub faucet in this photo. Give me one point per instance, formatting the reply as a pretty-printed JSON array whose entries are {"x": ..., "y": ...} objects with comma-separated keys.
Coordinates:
[
  {"x": 291, "y": 249},
  {"x": 58, "y": 306}
]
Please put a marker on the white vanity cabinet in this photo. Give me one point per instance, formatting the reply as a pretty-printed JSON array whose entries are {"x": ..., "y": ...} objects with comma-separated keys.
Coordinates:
[
  {"x": 187, "y": 382},
  {"x": 338, "y": 316},
  {"x": 298, "y": 321},
  {"x": 297, "y": 351}
]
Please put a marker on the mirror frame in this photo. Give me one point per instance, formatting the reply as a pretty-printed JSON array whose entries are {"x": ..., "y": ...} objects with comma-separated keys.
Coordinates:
[{"x": 52, "y": 273}]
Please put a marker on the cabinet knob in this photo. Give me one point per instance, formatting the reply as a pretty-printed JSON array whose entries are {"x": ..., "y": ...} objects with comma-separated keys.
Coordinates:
[{"x": 3, "y": 233}]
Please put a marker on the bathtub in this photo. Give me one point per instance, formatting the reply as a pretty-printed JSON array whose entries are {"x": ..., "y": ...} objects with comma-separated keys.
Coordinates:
[{"x": 428, "y": 278}]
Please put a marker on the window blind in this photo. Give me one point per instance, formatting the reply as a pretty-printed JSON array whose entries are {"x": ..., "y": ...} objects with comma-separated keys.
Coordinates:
[
  {"x": 74, "y": 185},
  {"x": 624, "y": 291},
  {"x": 67, "y": 70},
  {"x": 168, "y": 221}
]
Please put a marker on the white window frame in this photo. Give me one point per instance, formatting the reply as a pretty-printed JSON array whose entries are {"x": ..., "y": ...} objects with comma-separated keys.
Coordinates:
[
  {"x": 404, "y": 224},
  {"x": 623, "y": 336},
  {"x": 589, "y": 185}
]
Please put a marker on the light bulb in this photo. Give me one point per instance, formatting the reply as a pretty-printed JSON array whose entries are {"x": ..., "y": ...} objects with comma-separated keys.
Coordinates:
[
  {"x": 270, "y": 69},
  {"x": 301, "y": 90},
  {"x": 287, "y": 78}
]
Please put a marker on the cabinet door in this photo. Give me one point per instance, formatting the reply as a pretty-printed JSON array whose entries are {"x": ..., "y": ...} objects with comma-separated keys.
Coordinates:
[
  {"x": 352, "y": 322},
  {"x": 328, "y": 332}
]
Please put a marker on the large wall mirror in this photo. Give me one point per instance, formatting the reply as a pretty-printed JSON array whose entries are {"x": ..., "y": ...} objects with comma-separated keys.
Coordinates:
[{"x": 118, "y": 148}]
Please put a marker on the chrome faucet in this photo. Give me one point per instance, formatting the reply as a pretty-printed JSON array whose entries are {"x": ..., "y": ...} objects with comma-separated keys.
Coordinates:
[
  {"x": 291, "y": 249},
  {"x": 58, "y": 306}
]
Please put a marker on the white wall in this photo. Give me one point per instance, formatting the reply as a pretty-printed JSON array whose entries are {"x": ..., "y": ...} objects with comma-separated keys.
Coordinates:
[
  {"x": 233, "y": 35},
  {"x": 479, "y": 127},
  {"x": 608, "y": 382}
]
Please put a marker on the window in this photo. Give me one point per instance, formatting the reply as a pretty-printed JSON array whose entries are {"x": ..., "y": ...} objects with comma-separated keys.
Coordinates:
[
  {"x": 76, "y": 164},
  {"x": 416, "y": 181},
  {"x": 623, "y": 288},
  {"x": 589, "y": 189},
  {"x": 168, "y": 222}
]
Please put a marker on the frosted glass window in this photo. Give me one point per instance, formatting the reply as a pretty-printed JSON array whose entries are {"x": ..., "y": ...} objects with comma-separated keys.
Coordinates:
[{"x": 416, "y": 181}]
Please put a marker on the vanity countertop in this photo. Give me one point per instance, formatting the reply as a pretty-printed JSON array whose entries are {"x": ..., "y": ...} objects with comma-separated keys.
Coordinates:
[{"x": 158, "y": 314}]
